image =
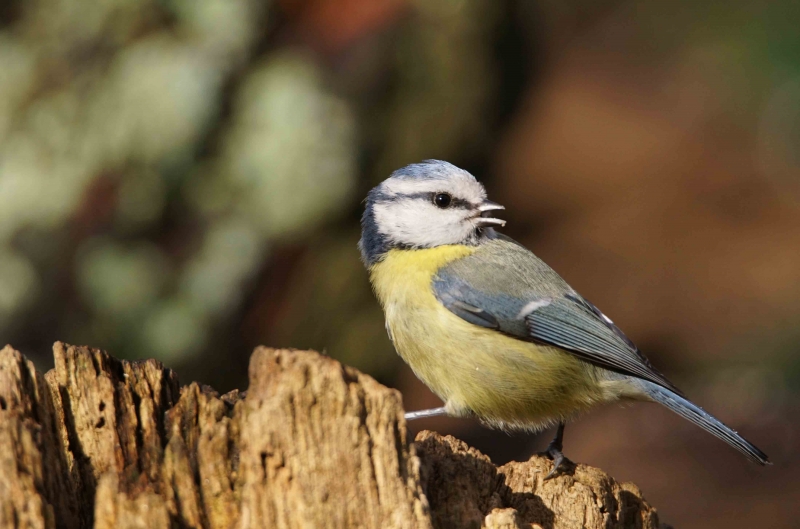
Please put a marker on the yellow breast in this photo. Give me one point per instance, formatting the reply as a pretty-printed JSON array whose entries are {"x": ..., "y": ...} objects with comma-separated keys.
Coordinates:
[{"x": 505, "y": 381}]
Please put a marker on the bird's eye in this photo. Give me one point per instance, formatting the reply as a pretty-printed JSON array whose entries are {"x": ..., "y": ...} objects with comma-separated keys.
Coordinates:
[{"x": 442, "y": 200}]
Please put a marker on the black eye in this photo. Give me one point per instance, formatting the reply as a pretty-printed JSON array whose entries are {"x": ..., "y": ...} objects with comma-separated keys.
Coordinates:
[{"x": 442, "y": 200}]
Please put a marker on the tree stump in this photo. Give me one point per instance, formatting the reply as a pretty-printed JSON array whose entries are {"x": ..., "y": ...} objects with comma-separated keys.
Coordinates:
[{"x": 101, "y": 442}]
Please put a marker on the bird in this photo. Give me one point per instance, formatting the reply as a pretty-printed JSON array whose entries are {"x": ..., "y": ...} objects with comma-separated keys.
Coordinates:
[{"x": 490, "y": 328}]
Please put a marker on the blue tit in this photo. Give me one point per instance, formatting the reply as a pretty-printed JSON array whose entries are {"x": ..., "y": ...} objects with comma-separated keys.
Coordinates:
[{"x": 490, "y": 328}]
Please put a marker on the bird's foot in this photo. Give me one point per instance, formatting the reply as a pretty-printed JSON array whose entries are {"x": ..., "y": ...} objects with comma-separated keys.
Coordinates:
[{"x": 554, "y": 452}]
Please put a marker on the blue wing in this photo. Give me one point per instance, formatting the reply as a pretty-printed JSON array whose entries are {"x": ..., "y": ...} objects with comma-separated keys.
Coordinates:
[{"x": 503, "y": 286}]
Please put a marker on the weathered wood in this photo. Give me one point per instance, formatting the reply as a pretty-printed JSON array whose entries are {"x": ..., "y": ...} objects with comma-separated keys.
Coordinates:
[
  {"x": 100, "y": 442},
  {"x": 465, "y": 489}
]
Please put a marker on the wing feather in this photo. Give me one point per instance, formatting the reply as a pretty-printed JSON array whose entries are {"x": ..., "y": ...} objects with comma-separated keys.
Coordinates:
[
  {"x": 495, "y": 286},
  {"x": 589, "y": 336}
]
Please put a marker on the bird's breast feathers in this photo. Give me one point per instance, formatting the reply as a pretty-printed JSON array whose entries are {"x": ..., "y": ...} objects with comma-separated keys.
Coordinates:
[{"x": 404, "y": 276}]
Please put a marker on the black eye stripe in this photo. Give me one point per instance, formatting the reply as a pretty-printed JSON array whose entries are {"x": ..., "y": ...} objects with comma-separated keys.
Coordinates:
[{"x": 454, "y": 201}]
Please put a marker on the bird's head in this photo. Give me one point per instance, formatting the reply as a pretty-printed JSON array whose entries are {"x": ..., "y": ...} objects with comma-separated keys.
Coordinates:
[{"x": 424, "y": 205}]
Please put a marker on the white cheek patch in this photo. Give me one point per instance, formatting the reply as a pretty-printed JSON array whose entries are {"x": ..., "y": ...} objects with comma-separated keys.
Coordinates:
[
  {"x": 532, "y": 306},
  {"x": 417, "y": 222}
]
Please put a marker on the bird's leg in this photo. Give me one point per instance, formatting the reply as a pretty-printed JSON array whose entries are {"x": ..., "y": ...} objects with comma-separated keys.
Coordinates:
[
  {"x": 422, "y": 414},
  {"x": 554, "y": 451}
]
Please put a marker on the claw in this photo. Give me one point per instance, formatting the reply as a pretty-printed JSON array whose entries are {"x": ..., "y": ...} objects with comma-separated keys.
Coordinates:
[
  {"x": 554, "y": 452},
  {"x": 558, "y": 460}
]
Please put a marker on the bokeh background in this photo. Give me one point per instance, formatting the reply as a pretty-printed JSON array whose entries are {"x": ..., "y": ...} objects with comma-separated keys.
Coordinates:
[{"x": 182, "y": 179}]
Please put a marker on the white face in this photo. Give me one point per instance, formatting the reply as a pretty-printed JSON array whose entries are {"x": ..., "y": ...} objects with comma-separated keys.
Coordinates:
[{"x": 441, "y": 206}]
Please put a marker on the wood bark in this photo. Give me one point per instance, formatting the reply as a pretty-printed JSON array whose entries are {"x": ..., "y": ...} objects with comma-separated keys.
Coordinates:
[{"x": 106, "y": 443}]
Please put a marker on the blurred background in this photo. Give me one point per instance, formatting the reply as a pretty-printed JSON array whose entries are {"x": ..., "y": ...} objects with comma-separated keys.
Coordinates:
[{"x": 182, "y": 179}]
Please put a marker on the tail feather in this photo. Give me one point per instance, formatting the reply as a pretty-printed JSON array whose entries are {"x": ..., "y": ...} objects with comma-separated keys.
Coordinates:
[{"x": 706, "y": 421}]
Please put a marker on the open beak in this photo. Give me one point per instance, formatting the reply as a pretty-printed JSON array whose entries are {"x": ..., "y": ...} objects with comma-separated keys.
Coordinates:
[{"x": 486, "y": 220}]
